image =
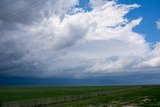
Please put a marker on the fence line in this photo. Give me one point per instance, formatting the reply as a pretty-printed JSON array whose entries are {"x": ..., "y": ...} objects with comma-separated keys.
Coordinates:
[{"x": 62, "y": 99}]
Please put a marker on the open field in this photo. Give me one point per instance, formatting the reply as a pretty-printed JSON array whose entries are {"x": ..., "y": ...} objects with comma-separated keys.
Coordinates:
[
  {"x": 60, "y": 96},
  {"x": 28, "y": 93},
  {"x": 147, "y": 97}
]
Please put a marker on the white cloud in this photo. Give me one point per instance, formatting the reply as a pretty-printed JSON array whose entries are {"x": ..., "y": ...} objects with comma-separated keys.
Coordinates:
[
  {"x": 79, "y": 43},
  {"x": 158, "y": 24},
  {"x": 152, "y": 58}
]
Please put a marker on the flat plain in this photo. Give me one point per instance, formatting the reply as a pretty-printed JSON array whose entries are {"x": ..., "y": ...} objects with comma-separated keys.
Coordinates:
[{"x": 146, "y": 95}]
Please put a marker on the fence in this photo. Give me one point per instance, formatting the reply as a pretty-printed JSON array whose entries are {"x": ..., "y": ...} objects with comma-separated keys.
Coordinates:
[{"x": 62, "y": 99}]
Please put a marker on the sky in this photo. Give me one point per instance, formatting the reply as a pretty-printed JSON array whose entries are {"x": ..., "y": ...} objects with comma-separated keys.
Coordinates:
[{"x": 79, "y": 42}]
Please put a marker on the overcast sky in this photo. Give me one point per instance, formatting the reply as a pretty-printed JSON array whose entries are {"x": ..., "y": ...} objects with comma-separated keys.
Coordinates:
[{"x": 79, "y": 39}]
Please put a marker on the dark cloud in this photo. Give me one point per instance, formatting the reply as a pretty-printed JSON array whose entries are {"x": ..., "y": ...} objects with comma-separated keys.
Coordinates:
[
  {"x": 25, "y": 11},
  {"x": 133, "y": 78},
  {"x": 44, "y": 38}
]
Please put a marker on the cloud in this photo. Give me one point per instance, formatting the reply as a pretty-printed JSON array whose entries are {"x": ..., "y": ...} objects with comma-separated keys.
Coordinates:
[
  {"x": 1, "y": 22},
  {"x": 69, "y": 42},
  {"x": 158, "y": 24},
  {"x": 152, "y": 59}
]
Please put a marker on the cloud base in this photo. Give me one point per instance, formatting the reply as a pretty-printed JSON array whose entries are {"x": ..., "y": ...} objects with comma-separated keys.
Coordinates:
[{"x": 70, "y": 42}]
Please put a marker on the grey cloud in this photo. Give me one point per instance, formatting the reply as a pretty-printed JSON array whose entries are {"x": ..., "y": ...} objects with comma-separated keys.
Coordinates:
[
  {"x": 18, "y": 42},
  {"x": 47, "y": 41},
  {"x": 29, "y": 11}
]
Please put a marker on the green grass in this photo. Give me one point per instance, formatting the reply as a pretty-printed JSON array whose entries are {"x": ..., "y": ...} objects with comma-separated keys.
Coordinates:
[
  {"x": 28, "y": 93},
  {"x": 140, "y": 97},
  {"x": 143, "y": 97}
]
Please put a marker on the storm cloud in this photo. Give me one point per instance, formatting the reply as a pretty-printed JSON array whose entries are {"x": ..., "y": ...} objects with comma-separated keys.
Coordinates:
[{"x": 56, "y": 38}]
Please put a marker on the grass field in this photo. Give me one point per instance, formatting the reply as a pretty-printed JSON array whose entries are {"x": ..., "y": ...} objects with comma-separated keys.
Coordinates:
[
  {"x": 135, "y": 98},
  {"x": 28, "y": 92},
  {"x": 140, "y": 97}
]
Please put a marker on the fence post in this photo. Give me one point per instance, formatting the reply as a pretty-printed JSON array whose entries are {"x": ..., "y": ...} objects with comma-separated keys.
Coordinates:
[
  {"x": 35, "y": 103},
  {"x": 0, "y": 104},
  {"x": 45, "y": 101}
]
